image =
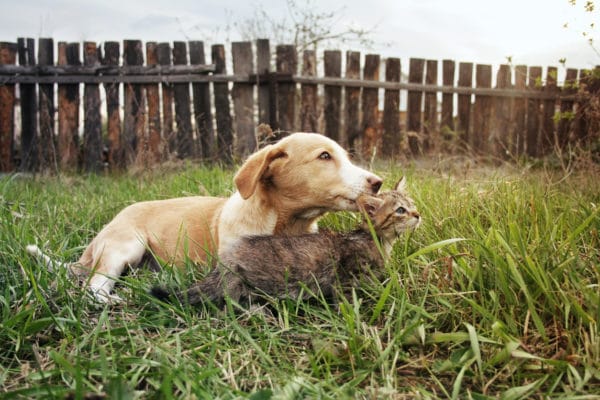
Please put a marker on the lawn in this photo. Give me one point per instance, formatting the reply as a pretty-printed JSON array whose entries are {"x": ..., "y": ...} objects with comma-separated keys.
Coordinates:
[{"x": 495, "y": 295}]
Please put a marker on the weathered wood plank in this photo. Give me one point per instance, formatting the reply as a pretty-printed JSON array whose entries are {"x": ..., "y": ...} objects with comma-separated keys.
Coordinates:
[
  {"x": 116, "y": 157},
  {"x": 222, "y": 108},
  {"x": 47, "y": 149},
  {"x": 548, "y": 134},
  {"x": 134, "y": 104},
  {"x": 8, "y": 55},
  {"x": 243, "y": 99},
  {"x": 371, "y": 135},
  {"x": 92, "y": 70},
  {"x": 391, "y": 137},
  {"x": 565, "y": 123},
  {"x": 205, "y": 134},
  {"x": 68, "y": 110},
  {"x": 502, "y": 115},
  {"x": 168, "y": 132},
  {"x": 287, "y": 63},
  {"x": 333, "y": 95},
  {"x": 29, "y": 125},
  {"x": 430, "y": 116},
  {"x": 447, "y": 118},
  {"x": 463, "y": 121},
  {"x": 183, "y": 118},
  {"x": 263, "y": 66},
  {"x": 532, "y": 137},
  {"x": 414, "y": 105},
  {"x": 352, "y": 114},
  {"x": 519, "y": 113},
  {"x": 309, "y": 116},
  {"x": 482, "y": 110},
  {"x": 92, "y": 130},
  {"x": 155, "y": 143}
]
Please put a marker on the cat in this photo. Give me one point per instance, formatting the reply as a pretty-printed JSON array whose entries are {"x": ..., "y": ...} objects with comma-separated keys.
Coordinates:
[{"x": 284, "y": 266}]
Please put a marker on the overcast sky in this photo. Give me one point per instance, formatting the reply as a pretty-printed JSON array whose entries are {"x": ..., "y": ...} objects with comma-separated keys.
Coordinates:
[{"x": 530, "y": 31}]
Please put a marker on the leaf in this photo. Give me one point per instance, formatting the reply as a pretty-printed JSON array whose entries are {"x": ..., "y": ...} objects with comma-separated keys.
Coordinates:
[
  {"x": 521, "y": 392},
  {"x": 433, "y": 247}
]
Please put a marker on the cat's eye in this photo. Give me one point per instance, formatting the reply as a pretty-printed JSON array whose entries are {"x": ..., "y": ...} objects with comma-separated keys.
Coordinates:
[
  {"x": 401, "y": 210},
  {"x": 325, "y": 156}
]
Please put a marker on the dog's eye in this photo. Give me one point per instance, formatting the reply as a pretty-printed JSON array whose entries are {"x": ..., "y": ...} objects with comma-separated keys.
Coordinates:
[
  {"x": 401, "y": 210},
  {"x": 325, "y": 156}
]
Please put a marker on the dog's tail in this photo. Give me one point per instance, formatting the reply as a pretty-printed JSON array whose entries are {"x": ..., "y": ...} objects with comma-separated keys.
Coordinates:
[{"x": 35, "y": 251}]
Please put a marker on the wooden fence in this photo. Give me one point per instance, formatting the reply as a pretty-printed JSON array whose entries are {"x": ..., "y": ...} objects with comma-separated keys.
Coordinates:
[{"x": 136, "y": 112}]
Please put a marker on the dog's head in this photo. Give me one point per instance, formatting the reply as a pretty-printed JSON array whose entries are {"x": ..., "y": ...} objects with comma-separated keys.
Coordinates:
[{"x": 306, "y": 174}]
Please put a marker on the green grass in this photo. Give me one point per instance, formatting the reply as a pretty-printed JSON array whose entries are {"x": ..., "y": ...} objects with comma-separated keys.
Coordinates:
[{"x": 496, "y": 296}]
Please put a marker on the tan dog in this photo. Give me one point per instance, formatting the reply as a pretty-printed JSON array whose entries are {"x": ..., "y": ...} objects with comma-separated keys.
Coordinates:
[{"x": 282, "y": 189}]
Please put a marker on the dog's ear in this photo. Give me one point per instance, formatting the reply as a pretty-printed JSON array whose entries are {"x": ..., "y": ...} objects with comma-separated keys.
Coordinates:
[
  {"x": 369, "y": 204},
  {"x": 250, "y": 173}
]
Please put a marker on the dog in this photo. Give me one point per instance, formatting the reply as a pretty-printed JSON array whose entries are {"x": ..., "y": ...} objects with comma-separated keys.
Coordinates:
[{"x": 284, "y": 188}]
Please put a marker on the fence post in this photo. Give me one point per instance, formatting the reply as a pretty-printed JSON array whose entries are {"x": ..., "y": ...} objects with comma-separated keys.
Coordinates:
[
  {"x": 415, "y": 98},
  {"x": 447, "y": 119},
  {"x": 29, "y": 125},
  {"x": 68, "y": 110},
  {"x": 430, "y": 125},
  {"x": 115, "y": 143},
  {"x": 465, "y": 79},
  {"x": 565, "y": 123},
  {"x": 168, "y": 134},
  {"x": 8, "y": 55},
  {"x": 155, "y": 142},
  {"x": 92, "y": 132},
  {"x": 333, "y": 94},
  {"x": 134, "y": 105},
  {"x": 500, "y": 137},
  {"x": 548, "y": 130},
  {"x": 352, "y": 99},
  {"x": 390, "y": 140},
  {"x": 519, "y": 110},
  {"x": 371, "y": 137},
  {"x": 287, "y": 63},
  {"x": 263, "y": 67},
  {"x": 533, "y": 113},
  {"x": 309, "y": 117},
  {"x": 46, "y": 108},
  {"x": 202, "y": 110},
  {"x": 183, "y": 119},
  {"x": 222, "y": 108},
  {"x": 243, "y": 99},
  {"x": 482, "y": 110}
]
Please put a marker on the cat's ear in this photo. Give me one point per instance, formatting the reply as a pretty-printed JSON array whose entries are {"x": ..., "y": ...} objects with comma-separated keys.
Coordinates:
[
  {"x": 401, "y": 185},
  {"x": 369, "y": 204}
]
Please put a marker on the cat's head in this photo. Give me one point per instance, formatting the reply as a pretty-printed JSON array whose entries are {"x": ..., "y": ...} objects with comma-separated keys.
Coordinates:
[{"x": 391, "y": 212}]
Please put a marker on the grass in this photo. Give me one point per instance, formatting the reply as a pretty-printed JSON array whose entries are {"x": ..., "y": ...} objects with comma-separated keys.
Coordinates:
[{"x": 496, "y": 296}]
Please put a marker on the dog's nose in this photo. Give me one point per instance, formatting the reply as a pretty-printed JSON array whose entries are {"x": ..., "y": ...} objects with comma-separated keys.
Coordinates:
[{"x": 375, "y": 183}]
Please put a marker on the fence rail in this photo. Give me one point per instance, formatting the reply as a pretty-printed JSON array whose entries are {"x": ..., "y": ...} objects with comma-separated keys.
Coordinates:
[{"x": 92, "y": 106}]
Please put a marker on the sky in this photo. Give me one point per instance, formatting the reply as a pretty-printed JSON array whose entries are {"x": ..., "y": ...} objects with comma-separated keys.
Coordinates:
[{"x": 528, "y": 31}]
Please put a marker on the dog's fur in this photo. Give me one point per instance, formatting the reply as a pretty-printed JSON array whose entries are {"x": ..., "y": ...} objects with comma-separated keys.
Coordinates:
[
  {"x": 281, "y": 189},
  {"x": 281, "y": 266}
]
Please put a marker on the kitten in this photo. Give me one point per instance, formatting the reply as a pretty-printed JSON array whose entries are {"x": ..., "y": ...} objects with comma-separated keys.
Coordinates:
[{"x": 281, "y": 266}]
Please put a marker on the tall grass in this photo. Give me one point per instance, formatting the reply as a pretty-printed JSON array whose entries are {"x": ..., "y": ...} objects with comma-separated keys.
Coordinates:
[{"x": 496, "y": 295}]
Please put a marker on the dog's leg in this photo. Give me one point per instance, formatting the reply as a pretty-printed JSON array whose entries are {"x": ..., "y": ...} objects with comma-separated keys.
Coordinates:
[{"x": 110, "y": 262}]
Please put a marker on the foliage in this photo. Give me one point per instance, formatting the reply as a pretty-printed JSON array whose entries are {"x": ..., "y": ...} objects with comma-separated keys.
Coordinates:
[
  {"x": 496, "y": 295},
  {"x": 307, "y": 26}
]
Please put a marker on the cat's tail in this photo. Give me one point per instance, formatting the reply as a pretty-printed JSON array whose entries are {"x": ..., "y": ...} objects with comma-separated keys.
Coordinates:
[
  {"x": 51, "y": 264},
  {"x": 196, "y": 295}
]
